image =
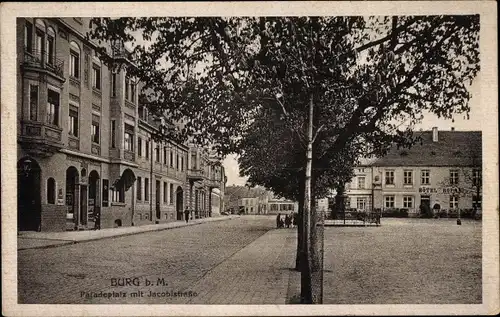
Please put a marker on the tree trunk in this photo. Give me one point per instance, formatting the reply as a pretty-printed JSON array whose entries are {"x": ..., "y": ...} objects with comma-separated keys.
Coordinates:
[
  {"x": 305, "y": 285},
  {"x": 299, "y": 256}
]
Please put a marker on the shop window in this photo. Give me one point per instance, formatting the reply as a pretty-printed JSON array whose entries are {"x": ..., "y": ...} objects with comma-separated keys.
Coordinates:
[
  {"x": 146, "y": 189},
  {"x": 51, "y": 191},
  {"x": 139, "y": 188},
  {"x": 171, "y": 194}
]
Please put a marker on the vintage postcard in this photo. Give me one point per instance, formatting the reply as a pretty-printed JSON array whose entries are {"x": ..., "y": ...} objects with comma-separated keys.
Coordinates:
[{"x": 249, "y": 158}]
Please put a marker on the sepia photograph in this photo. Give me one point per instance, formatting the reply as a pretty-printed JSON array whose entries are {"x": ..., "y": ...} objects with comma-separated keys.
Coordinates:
[{"x": 308, "y": 162}]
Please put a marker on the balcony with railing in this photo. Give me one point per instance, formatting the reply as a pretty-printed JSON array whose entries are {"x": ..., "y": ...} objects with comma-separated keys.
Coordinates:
[
  {"x": 195, "y": 174},
  {"x": 43, "y": 61},
  {"x": 40, "y": 139}
]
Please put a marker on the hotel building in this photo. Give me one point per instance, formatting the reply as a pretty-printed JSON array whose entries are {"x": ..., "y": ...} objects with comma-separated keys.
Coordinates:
[{"x": 442, "y": 169}]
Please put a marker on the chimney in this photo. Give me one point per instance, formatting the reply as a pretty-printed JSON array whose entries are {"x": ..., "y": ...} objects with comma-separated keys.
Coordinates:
[{"x": 434, "y": 134}]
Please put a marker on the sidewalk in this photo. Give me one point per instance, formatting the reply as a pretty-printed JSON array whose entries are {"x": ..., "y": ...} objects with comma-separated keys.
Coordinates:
[
  {"x": 260, "y": 273},
  {"x": 37, "y": 240}
]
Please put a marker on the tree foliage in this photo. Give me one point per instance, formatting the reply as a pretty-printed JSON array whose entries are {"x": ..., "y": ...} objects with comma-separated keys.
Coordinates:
[{"x": 242, "y": 84}]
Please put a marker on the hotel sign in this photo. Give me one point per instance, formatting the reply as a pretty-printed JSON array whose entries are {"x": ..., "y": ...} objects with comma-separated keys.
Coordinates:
[{"x": 444, "y": 190}]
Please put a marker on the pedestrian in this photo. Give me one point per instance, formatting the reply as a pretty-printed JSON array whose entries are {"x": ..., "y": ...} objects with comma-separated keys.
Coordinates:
[
  {"x": 288, "y": 221},
  {"x": 294, "y": 220},
  {"x": 97, "y": 219},
  {"x": 278, "y": 221},
  {"x": 186, "y": 215}
]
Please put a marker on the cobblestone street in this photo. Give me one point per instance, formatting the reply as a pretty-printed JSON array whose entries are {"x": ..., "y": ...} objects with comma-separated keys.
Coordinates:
[{"x": 218, "y": 261}]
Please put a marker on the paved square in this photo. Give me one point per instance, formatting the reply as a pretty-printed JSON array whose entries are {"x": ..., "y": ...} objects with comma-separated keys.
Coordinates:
[{"x": 404, "y": 261}]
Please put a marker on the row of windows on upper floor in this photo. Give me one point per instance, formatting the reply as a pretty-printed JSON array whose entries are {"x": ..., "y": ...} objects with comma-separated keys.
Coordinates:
[
  {"x": 40, "y": 42},
  {"x": 425, "y": 177},
  {"x": 408, "y": 201}
]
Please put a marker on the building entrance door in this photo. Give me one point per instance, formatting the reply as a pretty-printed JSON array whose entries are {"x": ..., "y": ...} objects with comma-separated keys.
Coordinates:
[
  {"x": 425, "y": 202},
  {"x": 28, "y": 196}
]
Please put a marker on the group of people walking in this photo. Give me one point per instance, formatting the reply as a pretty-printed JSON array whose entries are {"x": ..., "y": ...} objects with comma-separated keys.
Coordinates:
[{"x": 289, "y": 220}]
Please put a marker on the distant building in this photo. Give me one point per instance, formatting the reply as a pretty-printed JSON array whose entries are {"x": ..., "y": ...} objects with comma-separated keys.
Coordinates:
[
  {"x": 256, "y": 201},
  {"x": 442, "y": 170}
]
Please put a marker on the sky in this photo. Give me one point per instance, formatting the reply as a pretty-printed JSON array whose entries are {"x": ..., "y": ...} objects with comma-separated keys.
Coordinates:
[{"x": 430, "y": 120}]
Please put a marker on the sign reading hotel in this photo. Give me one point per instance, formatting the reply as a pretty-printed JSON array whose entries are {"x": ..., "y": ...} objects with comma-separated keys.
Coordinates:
[{"x": 444, "y": 190}]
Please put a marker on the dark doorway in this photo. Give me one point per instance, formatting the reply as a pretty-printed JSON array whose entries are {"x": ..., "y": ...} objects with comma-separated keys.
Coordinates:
[
  {"x": 179, "y": 202},
  {"x": 28, "y": 195},
  {"x": 157, "y": 200},
  {"x": 71, "y": 194},
  {"x": 94, "y": 199},
  {"x": 425, "y": 202}
]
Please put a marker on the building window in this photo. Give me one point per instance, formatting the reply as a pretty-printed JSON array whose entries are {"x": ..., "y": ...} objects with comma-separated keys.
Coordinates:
[
  {"x": 74, "y": 60},
  {"x": 118, "y": 194},
  {"x": 51, "y": 191},
  {"x": 360, "y": 203},
  {"x": 139, "y": 188},
  {"x": 139, "y": 146},
  {"x": 361, "y": 182},
  {"x": 182, "y": 163},
  {"x": 33, "y": 106},
  {"x": 53, "y": 108},
  {"x": 146, "y": 189},
  {"x": 426, "y": 177},
  {"x": 389, "y": 177},
  {"x": 389, "y": 201},
  {"x": 476, "y": 177},
  {"x": 132, "y": 92},
  {"x": 157, "y": 153},
  {"x": 113, "y": 84},
  {"x": 408, "y": 202},
  {"x": 453, "y": 202},
  {"x": 129, "y": 137},
  {"x": 96, "y": 77},
  {"x": 453, "y": 177},
  {"x": 96, "y": 133},
  {"x": 39, "y": 44},
  {"x": 171, "y": 194},
  {"x": 28, "y": 37},
  {"x": 147, "y": 148},
  {"x": 165, "y": 192},
  {"x": 165, "y": 155},
  {"x": 113, "y": 134},
  {"x": 50, "y": 47},
  {"x": 73, "y": 122},
  {"x": 127, "y": 88},
  {"x": 408, "y": 177},
  {"x": 178, "y": 162},
  {"x": 477, "y": 202},
  {"x": 171, "y": 158}
]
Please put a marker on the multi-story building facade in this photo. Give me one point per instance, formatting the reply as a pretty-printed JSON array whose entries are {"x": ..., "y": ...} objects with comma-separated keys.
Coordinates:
[
  {"x": 442, "y": 170},
  {"x": 85, "y": 144}
]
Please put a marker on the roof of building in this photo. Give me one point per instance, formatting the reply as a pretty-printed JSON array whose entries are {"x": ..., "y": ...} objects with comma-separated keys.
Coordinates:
[
  {"x": 244, "y": 191},
  {"x": 453, "y": 148}
]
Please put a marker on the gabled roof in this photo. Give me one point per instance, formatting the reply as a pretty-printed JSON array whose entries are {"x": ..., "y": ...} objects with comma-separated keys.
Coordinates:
[{"x": 453, "y": 148}]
